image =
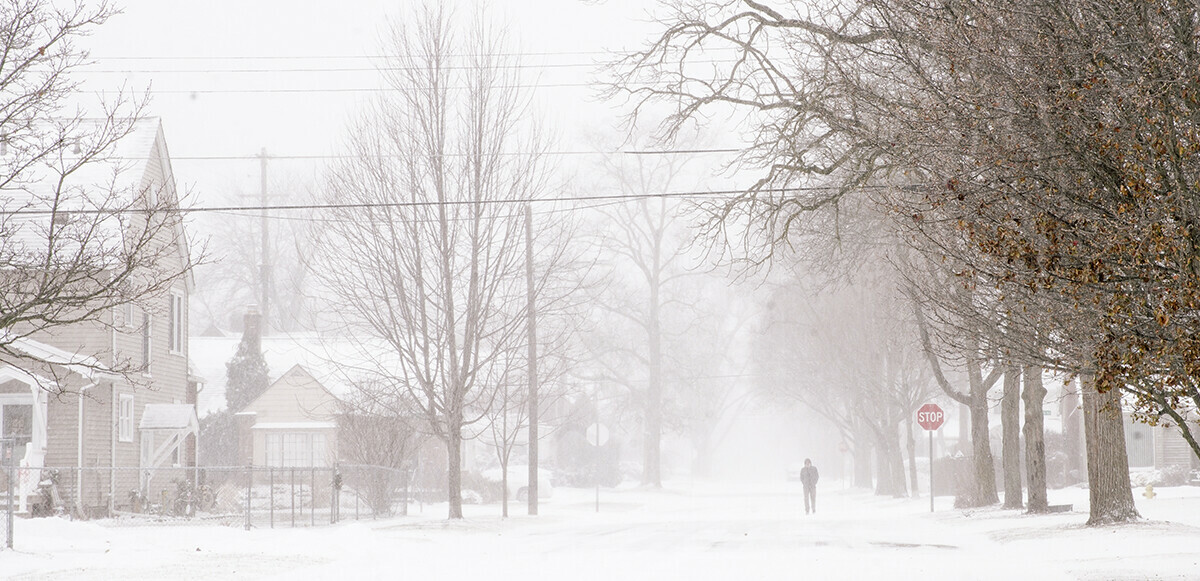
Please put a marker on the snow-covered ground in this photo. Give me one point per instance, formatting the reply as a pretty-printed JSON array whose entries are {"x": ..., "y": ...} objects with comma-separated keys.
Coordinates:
[{"x": 686, "y": 530}]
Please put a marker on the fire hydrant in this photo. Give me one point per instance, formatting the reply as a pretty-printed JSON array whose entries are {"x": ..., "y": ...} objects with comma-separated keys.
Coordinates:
[{"x": 1149, "y": 491}]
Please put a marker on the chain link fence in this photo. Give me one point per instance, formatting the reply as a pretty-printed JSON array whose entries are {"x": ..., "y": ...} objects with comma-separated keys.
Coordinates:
[{"x": 230, "y": 495}]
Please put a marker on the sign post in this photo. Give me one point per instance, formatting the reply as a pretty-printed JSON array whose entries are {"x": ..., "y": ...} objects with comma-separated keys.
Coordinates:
[
  {"x": 597, "y": 435},
  {"x": 930, "y": 417}
]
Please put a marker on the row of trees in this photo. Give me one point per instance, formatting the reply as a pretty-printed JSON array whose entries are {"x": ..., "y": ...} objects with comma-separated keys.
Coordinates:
[{"x": 1036, "y": 160}]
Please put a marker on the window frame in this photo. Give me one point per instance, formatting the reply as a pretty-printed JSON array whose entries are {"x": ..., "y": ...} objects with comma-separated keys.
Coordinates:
[
  {"x": 127, "y": 315},
  {"x": 291, "y": 449},
  {"x": 147, "y": 341},
  {"x": 125, "y": 417},
  {"x": 175, "y": 334}
]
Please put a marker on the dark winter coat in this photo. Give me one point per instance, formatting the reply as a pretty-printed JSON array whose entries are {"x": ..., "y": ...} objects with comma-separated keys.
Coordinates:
[{"x": 809, "y": 476}]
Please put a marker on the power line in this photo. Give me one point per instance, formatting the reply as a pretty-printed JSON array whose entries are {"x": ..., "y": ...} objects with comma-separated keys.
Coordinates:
[
  {"x": 330, "y": 57},
  {"x": 349, "y": 220},
  {"x": 352, "y": 156},
  {"x": 426, "y": 204},
  {"x": 423, "y": 204},
  {"x": 344, "y": 89}
]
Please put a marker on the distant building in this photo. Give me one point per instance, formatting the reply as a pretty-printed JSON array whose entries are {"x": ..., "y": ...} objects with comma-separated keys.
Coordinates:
[{"x": 292, "y": 424}]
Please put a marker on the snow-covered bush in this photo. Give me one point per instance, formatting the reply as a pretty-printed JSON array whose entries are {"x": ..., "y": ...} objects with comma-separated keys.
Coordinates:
[{"x": 1175, "y": 475}]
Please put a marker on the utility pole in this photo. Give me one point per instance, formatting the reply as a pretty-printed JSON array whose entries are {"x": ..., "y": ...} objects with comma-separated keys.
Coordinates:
[
  {"x": 265, "y": 263},
  {"x": 533, "y": 376}
]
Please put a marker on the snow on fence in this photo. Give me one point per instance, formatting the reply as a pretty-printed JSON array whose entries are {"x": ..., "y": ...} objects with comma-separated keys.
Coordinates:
[{"x": 230, "y": 495}]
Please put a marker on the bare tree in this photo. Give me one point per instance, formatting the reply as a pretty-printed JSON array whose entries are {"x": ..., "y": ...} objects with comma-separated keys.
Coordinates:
[
  {"x": 426, "y": 253},
  {"x": 80, "y": 234},
  {"x": 231, "y": 281},
  {"x": 646, "y": 247},
  {"x": 378, "y": 433},
  {"x": 712, "y": 389}
]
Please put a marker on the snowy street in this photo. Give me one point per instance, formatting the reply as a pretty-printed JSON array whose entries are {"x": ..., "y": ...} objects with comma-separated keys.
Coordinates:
[{"x": 685, "y": 531}]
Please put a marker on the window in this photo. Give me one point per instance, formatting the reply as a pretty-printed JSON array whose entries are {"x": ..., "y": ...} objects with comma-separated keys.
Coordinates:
[
  {"x": 175, "y": 324},
  {"x": 125, "y": 419},
  {"x": 295, "y": 449},
  {"x": 127, "y": 315},
  {"x": 146, "y": 324},
  {"x": 16, "y": 422}
]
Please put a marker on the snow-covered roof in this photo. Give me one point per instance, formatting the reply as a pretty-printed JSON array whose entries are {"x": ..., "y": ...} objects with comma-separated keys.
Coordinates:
[
  {"x": 103, "y": 185},
  {"x": 168, "y": 416},
  {"x": 84, "y": 365},
  {"x": 331, "y": 361}
]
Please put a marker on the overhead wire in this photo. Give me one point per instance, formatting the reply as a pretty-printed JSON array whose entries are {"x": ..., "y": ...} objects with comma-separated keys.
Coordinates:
[
  {"x": 259, "y": 157},
  {"x": 443, "y": 203},
  {"x": 326, "y": 57},
  {"x": 348, "y": 220}
]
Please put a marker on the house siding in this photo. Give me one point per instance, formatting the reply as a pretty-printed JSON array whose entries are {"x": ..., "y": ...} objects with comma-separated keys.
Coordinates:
[
  {"x": 112, "y": 340},
  {"x": 1172, "y": 450},
  {"x": 296, "y": 397}
]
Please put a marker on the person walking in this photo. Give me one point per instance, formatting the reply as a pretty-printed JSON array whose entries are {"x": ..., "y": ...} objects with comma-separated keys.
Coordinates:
[{"x": 809, "y": 477}]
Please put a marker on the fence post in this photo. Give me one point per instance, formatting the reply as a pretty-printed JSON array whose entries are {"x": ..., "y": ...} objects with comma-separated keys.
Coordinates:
[
  {"x": 312, "y": 499},
  {"x": 271, "y": 483},
  {"x": 249, "y": 487},
  {"x": 8, "y": 455},
  {"x": 292, "y": 487}
]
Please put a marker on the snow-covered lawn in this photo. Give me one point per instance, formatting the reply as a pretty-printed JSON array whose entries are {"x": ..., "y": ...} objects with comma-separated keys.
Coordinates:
[{"x": 685, "y": 531}]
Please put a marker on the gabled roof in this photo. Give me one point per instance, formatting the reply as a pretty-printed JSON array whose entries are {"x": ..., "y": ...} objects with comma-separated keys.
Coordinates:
[
  {"x": 135, "y": 164},
  {"x": 296, "y": 376},
  {"x": 322, "y": 358}
]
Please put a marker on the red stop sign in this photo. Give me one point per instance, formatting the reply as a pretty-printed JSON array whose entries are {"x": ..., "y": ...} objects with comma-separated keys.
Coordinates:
[{"x": 930, "y": 416}]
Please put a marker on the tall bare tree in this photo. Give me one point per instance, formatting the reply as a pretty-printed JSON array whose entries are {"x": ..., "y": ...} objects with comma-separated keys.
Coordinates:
[
  {"x": 646, "y": 247},
  {"x": 426, "y": 253}
]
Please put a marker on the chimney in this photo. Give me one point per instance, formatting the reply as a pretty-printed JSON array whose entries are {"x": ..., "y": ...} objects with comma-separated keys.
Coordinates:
[{"x": 252, "y": 327}]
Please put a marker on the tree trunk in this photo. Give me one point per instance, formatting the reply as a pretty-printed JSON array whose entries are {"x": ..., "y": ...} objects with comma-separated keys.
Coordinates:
[
  {"x": 862, "y": 463},
  {"x": 1072, "y": 413},
  {"x": 1035, "y": 439},
  {"x": 884, "y": 480},
  {"x": 912, "y": 457},
  {"x": 652, "y": 437},
  {"x": 1109, "y": 493},
  {"x": 504, "y": 490},
  {"x": 964, "y": 427},
  {"x": 981, "y": 451},
  {"x": 454, "y": 470},
  {"x": 889, "y": 463},
  {"x": 1010, "y": 422}
]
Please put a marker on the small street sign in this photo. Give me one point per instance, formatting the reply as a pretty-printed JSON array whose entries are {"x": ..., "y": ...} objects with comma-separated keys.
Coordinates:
[{"x": 930, "y": 416}]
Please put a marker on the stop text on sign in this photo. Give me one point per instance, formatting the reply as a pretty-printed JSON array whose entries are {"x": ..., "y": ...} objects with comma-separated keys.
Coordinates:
[{"x": 930, "y": 416}]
